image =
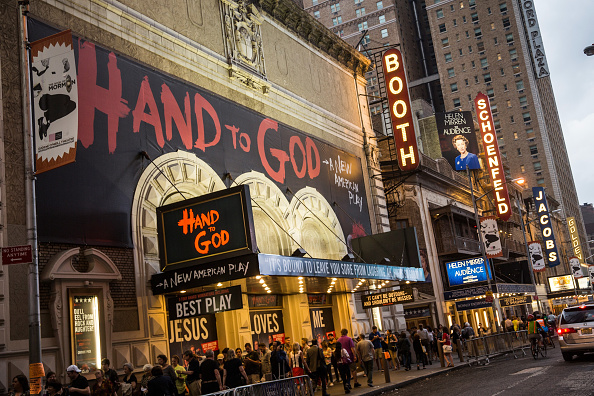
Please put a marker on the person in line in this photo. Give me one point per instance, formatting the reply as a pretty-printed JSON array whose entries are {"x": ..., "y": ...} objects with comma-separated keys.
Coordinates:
[
  {"x": 110, "y": 374},
  {"x": 376, "y": 339},
  {"x": 50, "y": 376},
  {"x": 211, "y": 378},
  {"x": 418, "y": 348},
  {"x": 103, "y": 386},
  {"x": 366, "y": 352},
  {"x": 455, "y": 329},
  {"x": 278, "y": 362},
  {"x": 508, "y": 324},
  {"x": 404, "y": 346},
  {"x": 168, "y": 370},
  {"x": 53, "y": 387},
  {"x": 146, "y": 377},
  {"x": 239, "y": 354},
  {"x": 349, "y": 345},
  {"x": 160, "y": 385},
  {"x": 332, "y": 346},
  {"x": 392, "y": 342},
  {"x": 424, "y": 336},
  {"x": 192, "y": 373},
  {"x": 129, "y": 380},
  {"x": 468, "y": 334},
  {"x": 314, "y": 359},
  {"x": 297, "y": 362},
  {"x": 252, "y": 363},
  {"x": 234, "y": 371},
  {"x": 344, "y": 361},
  {"x": 180, "y": 382},
  {"x": 79, "y": 386},
  {"x": 447, "y": 347},
  {"x": 265, "y": 359},
  {"x": 20, "y": 386},
  {"x": 328, "y": 359}
]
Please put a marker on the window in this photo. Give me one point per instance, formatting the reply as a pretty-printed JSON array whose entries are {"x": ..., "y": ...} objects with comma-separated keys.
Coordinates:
[
  {"x": 471, "y": 3},
  {"x": 336, "y": 21},
  {"x": 376, "y": 109},
  {"x": 478, "y": 32},
  {"x": 340, "y": 32},
  {"x": 442, "y": 28},
  {"x": 365, "y": 40},
  {"x": 495, "y": 41},
  {"x": 439, "y": 13},
  {"x": 463, "y": 19},
  {"x": 358, "y": 2},
  {"x": 504, "y": 154},
  {"x": 469, "y": 98},
  {"x": 461, "y": 4},
  {"x": 480, "y": 46},
  {"x": 519, "y": 152},
  {"x": 472, "y": 64},
  {"x": 455, "y": 22},
  {"x": 494, "y": 108},
  {"x": 445, "y": 42},
  {"x": 360, "y": 12},
  {"x": 498, "y": 56},
  {"x": 315, "y": 2},
  {"x": 509, "y": 38},
  {"x": 506, "y": 23},
  {"x": 454, "y": 87},
  {"x": 460, "y": 51},
  {"x": 476, "y": 79},
  {"x": 533, "y": 149},
  {"x": 509, "y": 105},
  {"x": 537, "y": 166},
  {"x": 466, "y": 82},
  {"x": 382, "y": 19},
  {"x": 540, "y": 182},
  {"x": 451, "y": 72},
  {"x": 489, "y": 10},
  {"x": 380, "y": 5},
  {"x": 484, "y": 63},
  {"x": 504, "y": 87},
  {"x": 523, "y": 101},
  {"x": 515, "y": 69},
  {"x": 463, "y": 66},
  {"x": 492, "y": 26},
  {"x": 502, "y": 72},
  {"x": 362, "y": 26},
  {"x": 317, "y": 14},
  {"x": 451, "y": 8},
  {"x": 384, "y": 33},
  {"x": 456, "y": 102},
  {"x": 335, "y": 7},
  {"x": 511, "y": 119},
  {"x": 526, "y": 117},
  {"x": 474, "y": 17},
  {"x": 503, "y": 7},
  {"x": 490, "y": 93},
  {"x": 522, "y": 169},
  {"x": 372, "y": 81},
  {"x": 487, "y": 77},
  {"x": 470, "y": 49},
  {"x": 497, "y": 125},
  {"x": 467, "y": 34},
  {"x": 515, "y": 135},
  {"x": 520, "y": 85},
  {"x": 448, "y": 57},
  {"x": 530, "y": 133},
  {"x": 513, "y": 55},
  {"x": 457, "y": 36}
]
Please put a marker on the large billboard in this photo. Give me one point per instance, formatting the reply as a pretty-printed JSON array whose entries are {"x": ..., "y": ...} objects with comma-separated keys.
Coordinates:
[
  {"x": 126, "y": 108},
  {"x": 197, "y": 332},
  {"x": 457, "y": 139}
]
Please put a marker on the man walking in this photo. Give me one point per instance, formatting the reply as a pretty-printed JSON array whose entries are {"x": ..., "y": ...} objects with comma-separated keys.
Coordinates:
[
  {"x": 365, "y": 350},
  {"x": 317, "y": 365},
  {"x": 424, "y": 334},
  {"x": 348, "y": 344},
  {"x": 376, "y": 339}
]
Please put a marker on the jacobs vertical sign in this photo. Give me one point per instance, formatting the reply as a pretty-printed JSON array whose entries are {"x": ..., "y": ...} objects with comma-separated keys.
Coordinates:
[
  {"x": 546, "y": 226},
  {"x": 492, "y": 156},
  {"x": 400, "y": 111}
]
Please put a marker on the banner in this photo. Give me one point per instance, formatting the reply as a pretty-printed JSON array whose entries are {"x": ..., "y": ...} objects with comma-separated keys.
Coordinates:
[
  {"x": 208, "y": 302},
  {"x": 127, "y": 107},
  {"x": 387, "y": 298},
  {"x": 575, "y": 239},
  {"x": 198, "y": 333},
  {"x": 466, "y": 271},
  {"x": 576, "y": 267},
  {"x": 472, "y": 304},
  {"x": 322, "y": 323},
  {"x": 55, "y": 101},
  {"x": 591, "y": 274},
  {"x": 493, "y": 156},
  {"x": 403, "y": 125},
  {"x": 546, "y": 226},
  {"x": 267, "y": 326},
  {"x": 536, "y": 256},
  {"x": 457, "y": 139},
  {"x": 86, "y": 331},
  {"x": 491, "y": 237},
  {"x": 514, "y": 300}
]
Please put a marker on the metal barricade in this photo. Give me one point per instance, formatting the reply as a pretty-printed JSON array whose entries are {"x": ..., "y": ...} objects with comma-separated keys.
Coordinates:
[
  {"x": 480, "y": 349},
  {"x": 294, "y": 386}
]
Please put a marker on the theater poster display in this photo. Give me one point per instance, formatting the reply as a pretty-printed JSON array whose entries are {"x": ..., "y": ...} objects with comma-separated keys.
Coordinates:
[
  {"x": 126, "y": 108},
  {"x": 267, "y": 326},
  {"x": 86, "y": 331},
  {"x": 457, "y": 139},
  {"x": 197, "y": 332},
  {"x": 322, "y": 323}
]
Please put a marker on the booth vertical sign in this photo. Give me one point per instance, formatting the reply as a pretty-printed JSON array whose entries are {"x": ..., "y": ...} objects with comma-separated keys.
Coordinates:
[
  {"x": 546, "y": 226},
  {"x": 400, "y": 111},
  {"x": 492, "y": 156}
]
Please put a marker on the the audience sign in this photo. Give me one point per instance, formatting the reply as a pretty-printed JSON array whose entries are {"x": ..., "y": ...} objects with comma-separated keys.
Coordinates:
[
  {"x": 199, "y": 333},
  {"x": 208, "y": 302},
  {"x": 466, "y": 271},
  {"x": 86, "y": 331},
  {"x": 387, "y": 298}
]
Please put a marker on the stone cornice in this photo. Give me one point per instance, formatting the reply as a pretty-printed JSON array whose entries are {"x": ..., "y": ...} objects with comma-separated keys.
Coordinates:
[{"x": 307, "y": 27}]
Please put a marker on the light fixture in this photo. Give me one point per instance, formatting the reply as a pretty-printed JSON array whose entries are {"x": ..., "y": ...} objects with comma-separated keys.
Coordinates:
[
  {"x": 261, "y": 280},
  {"x": 268, "y": 291},
  {"x": 299, "y": 253},
  {"x": 300, "y": 278},
  {"x": 407, "y": 282},
  {"x": 219, "y": 284},
  {"x": 264, "y": 285},
  {"x": 183, "y": 291},
  {"x": 258, "y": 276}
]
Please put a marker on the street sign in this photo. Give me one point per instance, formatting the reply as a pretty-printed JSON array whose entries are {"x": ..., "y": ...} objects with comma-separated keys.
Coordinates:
[{"x": 17, "y": 255}]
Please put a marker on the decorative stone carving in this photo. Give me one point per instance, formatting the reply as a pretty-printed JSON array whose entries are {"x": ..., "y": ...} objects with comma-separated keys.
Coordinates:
[{"x": 243, "y": 43}]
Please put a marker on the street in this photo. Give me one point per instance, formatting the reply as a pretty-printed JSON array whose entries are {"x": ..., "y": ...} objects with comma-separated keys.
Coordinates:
[{"x": 508, "y": 376}]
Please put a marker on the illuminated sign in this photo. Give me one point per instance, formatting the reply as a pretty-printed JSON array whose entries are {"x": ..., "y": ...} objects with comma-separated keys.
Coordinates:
[
  {"x": 561, "y": 283},
  {"x": 575, "y": 239},
  {"x": 400, "y": 111},
  {"x": 472, "y": 304},
  {"x": 212, "y": 227},
  {"x": 466, "y": 271},
  {"x": 387, "y": 298},
  {"x": 539, "y": 59},
  {"x": 514, "y": 300},
  {"x": 492, "y": 156},
  {"x": 546, "y": 227},
  {"x": 86, "y": 331}
]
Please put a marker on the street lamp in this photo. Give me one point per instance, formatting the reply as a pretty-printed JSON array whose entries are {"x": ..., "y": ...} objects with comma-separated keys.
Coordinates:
[{"x": 589, "y": 50}]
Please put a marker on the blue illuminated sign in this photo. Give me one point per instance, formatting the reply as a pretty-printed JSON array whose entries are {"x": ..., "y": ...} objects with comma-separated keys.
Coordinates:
[
  {"x": 546, "y": 226},
  {"x": 466, "y": 271}
]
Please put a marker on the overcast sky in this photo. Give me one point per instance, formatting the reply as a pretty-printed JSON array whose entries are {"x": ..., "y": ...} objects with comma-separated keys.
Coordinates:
[{"x": 567, "y": 28}]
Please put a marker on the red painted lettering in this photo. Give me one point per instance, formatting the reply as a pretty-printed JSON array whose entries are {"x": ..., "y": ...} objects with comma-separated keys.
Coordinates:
[
  {"x": 202, "y": 104},
  {"x": 146, "y": 98},
  {"x": 279, "y": 175},
  {"x": 234, "y": 131},
  {"x": 312, "y": 152},
  {"x": 245, "y": 142},
  {"x": 292, "y": 142},
  {"x": 171, "y": 111}
]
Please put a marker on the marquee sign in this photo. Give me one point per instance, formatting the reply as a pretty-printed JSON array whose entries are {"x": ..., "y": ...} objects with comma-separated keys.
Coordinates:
[
  {"x": 575, "y": 239},
  {"x": 208, "y": 302},
  {"x": 473, "y": 304},
  {"x": 466, "y": 271},
  {"x": 546, "y": 226},
  {"x": 561, "y": 283},
  {"x": 208, "y": 228},
  {"x": 387, "y": 298},
  {"x": 514, "y": 300},
  {"x": 539, "y": 59},
  {"x": 492, "y": 156},
  {"x": 400, "y": 111}
]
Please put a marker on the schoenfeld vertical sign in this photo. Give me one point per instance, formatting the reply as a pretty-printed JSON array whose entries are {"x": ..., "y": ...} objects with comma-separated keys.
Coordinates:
[
  {"x": 400, "y": 111},
  {"x": 212, "y": 227}
]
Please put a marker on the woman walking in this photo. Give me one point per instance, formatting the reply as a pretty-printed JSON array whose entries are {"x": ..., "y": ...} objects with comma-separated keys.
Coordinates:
[
  {"x": 418, "y": 348},
  {"x": 404, "y": 350},
  {"x": 447, "y": 347},
  {"x": 344, "y": 363}
]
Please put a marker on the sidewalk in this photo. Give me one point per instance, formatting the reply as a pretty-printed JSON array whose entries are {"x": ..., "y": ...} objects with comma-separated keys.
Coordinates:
[{"x": 398, "y": 379}]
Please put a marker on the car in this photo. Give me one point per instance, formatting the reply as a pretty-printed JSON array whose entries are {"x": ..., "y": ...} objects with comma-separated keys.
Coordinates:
[{"x": 576, "y": 330}]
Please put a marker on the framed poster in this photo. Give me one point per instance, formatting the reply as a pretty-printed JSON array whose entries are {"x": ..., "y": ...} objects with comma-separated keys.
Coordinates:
[{"x": 85, "y": 330}]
